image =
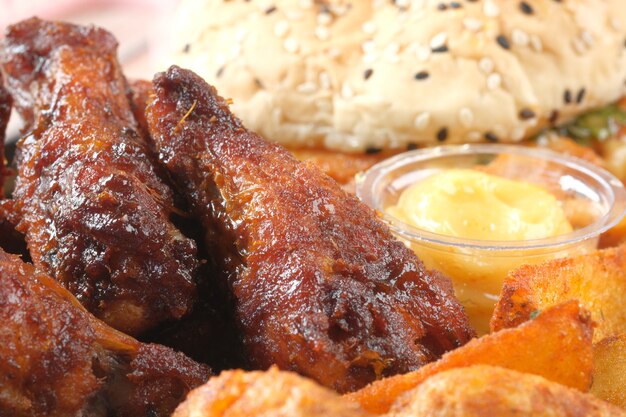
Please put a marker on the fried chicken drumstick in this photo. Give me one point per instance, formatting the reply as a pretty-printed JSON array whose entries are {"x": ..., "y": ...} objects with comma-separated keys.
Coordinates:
[
  {"x": 56, "y": 359},
  {"x": 320, "y": 286},
  {"x": 93, "y": 208}
]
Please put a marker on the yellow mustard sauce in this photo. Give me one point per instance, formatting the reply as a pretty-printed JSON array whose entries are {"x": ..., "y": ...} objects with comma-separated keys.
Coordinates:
[{"x": 471, "y": 204}]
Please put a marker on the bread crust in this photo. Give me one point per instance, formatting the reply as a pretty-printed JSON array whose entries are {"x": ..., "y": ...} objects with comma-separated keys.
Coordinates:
[{"x": 354, "y": 76}]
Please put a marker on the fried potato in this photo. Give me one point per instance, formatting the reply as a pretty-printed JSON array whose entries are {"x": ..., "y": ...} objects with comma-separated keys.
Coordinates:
[
  {"x": 609, "y": 377},
  {"x": 597, "y": 281},
  {"x": 490, "y": 391},
  {"x": 270, "y": 393},
  {"x": 555, "y": 345}
]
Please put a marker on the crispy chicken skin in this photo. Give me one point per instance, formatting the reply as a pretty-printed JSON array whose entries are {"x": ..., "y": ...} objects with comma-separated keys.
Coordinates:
[
  {"x": 94, "y": 210},
  {"x": 5, "y": 112},
  {"x": 56, "y": 359},
  {"x": 319, "y": 284},
  {"x": 272, "y": 393}
]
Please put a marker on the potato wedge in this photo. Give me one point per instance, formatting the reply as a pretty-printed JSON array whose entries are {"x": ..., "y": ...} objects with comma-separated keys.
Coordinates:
[
  {"x": 555, "y": 345},
  {"x": 609, "y": 377},
  {"x": 485, "y": 391},
  {"x": 597, "y": 281}
]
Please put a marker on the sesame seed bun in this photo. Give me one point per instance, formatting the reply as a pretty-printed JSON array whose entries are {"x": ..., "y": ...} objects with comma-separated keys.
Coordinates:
[{"x": 372, "y": 74}]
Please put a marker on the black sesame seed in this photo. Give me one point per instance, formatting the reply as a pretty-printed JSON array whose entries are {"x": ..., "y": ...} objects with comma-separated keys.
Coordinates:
[
  {"x": 422, "y": 75},
  {"x": 270, "y": 10},
  {"x": 219, "y": 72},
  {"x": 186, "y": 48},
  {"x": 526, "y": 114},
  {"x": 372, "y": 150},
  {"x": 567, "y": 97},
  {"x": 581, "y": 96},
  {"x": 442, "y": 6},
  {"x": 440, "y": 49},
  {"x": 491, "y": 137},
  {"x": 368, "y": 73},
  {"x": 526, "y": 8},
  {"x": 411, "y": 146},
  {"x": 554, "y": 116},
  {"x": 503, "y": 42},
  {"x": 456, "y": 5},
  {"x": 442, "y": 134}
]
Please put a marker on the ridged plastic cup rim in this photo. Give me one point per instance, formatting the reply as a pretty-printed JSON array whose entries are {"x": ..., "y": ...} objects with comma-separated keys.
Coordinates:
[{"x": 612, "y": 189}]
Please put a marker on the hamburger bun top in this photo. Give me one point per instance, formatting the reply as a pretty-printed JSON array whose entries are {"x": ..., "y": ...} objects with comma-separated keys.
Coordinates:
[{"x": 380, "y": 74}]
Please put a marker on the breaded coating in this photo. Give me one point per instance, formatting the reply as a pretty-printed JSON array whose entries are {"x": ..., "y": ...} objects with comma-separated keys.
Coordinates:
[
  {"x": 486, "y": 391},
  {"x": 94, "y": 210},
  {"x": 56, "y": 359},
  {"x": 272, "y": 393},
  {"x": 320, "y": 285}
]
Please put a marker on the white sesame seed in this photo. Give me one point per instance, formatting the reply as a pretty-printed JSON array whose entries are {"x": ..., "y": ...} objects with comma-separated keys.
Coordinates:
[
  {"x": 500, "y": 131},
  {"x": 402, "y": 3},
  {"x": 308, "y": 87},
  {"x": 306, "y": 4},
  {"x": 322, "y": 33},
  {"x": 486, "y": 65},
  {"x": 294, "y": 14},
  {"x": 333, "y": 52},
  {"x": 474, "y": 136},
  {"x": 241, "y": 34},
  {"x": 220, "y": 59},
  {"x": 518, "y": 133},
  {"x": 519, "y": 37},
  {"x": 491, "y": 9},
  {"x": 324, "y": 79},
  {"x": 368, "y": 27},
  {"x": 235, "y": 51},
  {"x": 531, "y": 122},
  {"x": 579, "y": 46},
  {"x": 494, "y": 81},
  {"x": 324, "y": 19},
  {"x": 422, "y": 121},
  {"x": 472, "y": 24},
  {"x": 614, "y": 23},
  {"x": 392, "y": 49},
  {"x": 423, "y": 53},
  {"x": 347, "y": 91},
  {"x": 281, "y": 29},
  {"x": 340, "y": 9},
  {"x": 587, "y": 38},
  {"x": 535, "y": 42},
  {"x": 368, "y": 46},
  {"x": 466, "y": 117},
  {"x": 438, "y": 40},
  {"x": 291, "y": 45},
  {"x": 370, "y": 58}
]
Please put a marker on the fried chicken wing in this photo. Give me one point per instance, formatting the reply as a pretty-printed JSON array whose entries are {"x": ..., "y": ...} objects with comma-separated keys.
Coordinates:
[
  {"x": 94, "y": 210},
  {"x": 319, "y": 284},
  {"x": 5, "y": 112},
  {"x": 272, "y": 393},
  {"x": 56, "y": 359}
]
